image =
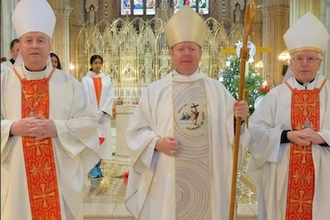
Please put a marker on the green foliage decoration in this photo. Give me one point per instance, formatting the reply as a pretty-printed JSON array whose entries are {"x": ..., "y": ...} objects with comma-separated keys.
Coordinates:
[{"x": 230, "y": 79}]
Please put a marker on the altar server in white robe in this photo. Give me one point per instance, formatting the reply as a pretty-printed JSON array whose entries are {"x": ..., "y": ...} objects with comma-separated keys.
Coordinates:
[
  {"x": 181, "y": 135},
  {"x": 290, "y": 129},
  {"x": 101, "y": 93},
  {"x": 49, "y": 139},
  {"x": 14, "y": 50}
]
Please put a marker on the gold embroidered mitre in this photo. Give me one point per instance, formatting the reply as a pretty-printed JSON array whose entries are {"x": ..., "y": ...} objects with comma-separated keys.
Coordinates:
[
  {"x": 307, "y": 33},
  {"x": 185, "y": 25}
]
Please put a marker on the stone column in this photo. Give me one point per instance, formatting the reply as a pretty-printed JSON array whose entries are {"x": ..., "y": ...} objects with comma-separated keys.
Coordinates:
[
  {"x": 77, "y": 20},
  {"x": 325, "y": 17},
  {"x": 60, "y": 41},
  {"x": 275, "y": 24},
  {"x": 7, "y": 30},
  {"x": 257, "y": 34},
  {"x": 74, "y": 33},
  {"x": 257, "y": 40},
  {"x": 300, "y": 7}
]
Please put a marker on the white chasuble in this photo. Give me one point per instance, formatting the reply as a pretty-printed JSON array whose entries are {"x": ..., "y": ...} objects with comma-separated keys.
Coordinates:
[{"x": 192, "y": 163}]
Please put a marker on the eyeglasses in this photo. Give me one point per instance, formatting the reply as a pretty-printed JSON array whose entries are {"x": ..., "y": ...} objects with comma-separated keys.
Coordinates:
[{"x": 309, "y": 60}]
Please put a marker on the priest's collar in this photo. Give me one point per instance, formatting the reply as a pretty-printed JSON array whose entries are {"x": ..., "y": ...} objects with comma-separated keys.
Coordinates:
[
  {"x": 34, "y": 75},
  {"x": 186, "y": 78},
  {"x": 300, "y": 85},
  {"x": 34, "y": 71}
]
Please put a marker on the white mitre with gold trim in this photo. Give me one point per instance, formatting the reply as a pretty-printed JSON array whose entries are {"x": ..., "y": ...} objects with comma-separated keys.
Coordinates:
[
  {"x": 307, "y": 33},
  {"x": 33, "y": 16},
  {"x": 185, "y": 25}
]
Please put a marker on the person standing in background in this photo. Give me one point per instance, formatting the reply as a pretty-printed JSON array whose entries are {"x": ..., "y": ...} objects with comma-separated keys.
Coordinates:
[
  {"x": 55, "y": 61},
  {"x": 101, "y": 93},
  {"x": 49, "y": 139},
  {"x": 14, "y": 50},
  {"x": 290, "y": 133}
]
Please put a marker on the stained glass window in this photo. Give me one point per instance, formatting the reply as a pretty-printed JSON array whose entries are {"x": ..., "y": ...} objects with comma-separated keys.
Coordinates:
[
  {"x": 147, "y": 7},
  {"x": 201, "y": 6},
  {"x": 151, "y": 5},
  {"x": 138, "y": 7},
  {"x": 125, "y": 7}
]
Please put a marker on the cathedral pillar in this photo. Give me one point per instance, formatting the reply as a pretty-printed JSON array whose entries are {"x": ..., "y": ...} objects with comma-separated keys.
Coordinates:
[
  {"x": 74, "y": 33},
  {"x": 300, "y": 7},
  {"x": 257, "y": 36},
  {"x": 275, "y": 24},
  {"x": 76, "y": 23},
  {"x": 7, "y": 30},
  {"x": 325, "y": 17},
  {"x": 257, "y": 40},
  {"x": 60, "y": 41}
]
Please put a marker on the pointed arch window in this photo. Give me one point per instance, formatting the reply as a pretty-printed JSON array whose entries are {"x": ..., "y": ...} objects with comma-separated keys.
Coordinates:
[
  {"x": 201, "y": 6},
  {"x": 138, "y": 7},
  {"x": 147, "y": 7}
]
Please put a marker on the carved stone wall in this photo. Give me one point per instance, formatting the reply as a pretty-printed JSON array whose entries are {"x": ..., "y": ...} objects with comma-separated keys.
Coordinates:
[
  {"x": 135, "y": 52},
  {"x": 113, "y": 8}
]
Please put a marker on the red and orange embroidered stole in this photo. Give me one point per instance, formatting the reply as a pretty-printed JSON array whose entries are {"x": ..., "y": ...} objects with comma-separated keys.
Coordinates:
[
  {"x": 300, "y": 192},
  {"x": 39, "y": 156},
  {"x": 98, "y": 88}
]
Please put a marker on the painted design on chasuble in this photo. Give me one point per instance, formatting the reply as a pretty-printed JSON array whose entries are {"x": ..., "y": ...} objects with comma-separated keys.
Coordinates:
[
  {"x": 305, "y": 113},
  {"x": 192, "y": 115},
  {"x": 38, "y": 155},
  {"x": 192, "y": 163}
]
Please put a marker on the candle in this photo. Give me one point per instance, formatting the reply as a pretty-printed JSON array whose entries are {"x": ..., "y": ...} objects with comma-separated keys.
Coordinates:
[{"x": 247, "y": 68}]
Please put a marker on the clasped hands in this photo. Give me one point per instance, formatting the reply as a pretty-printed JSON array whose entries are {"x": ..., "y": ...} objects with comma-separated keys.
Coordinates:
[
  {"x": 305, "y": 137},
  {"x": 37, "y": 127}
]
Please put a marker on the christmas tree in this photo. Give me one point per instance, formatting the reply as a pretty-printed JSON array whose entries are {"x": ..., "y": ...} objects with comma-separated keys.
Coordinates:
[{"x": 253, "y": 81}]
